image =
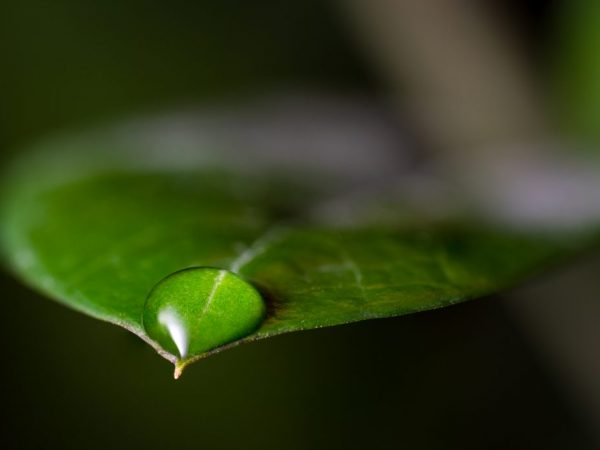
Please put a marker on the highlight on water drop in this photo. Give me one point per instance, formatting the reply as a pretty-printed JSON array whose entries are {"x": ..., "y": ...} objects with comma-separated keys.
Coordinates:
[{"x": 198, "y": 309}]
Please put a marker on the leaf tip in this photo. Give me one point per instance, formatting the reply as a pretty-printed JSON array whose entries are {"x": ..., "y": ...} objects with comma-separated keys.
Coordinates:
[
  {"x": 179, "y": 366},
  {"x": 178, "y": 370}
]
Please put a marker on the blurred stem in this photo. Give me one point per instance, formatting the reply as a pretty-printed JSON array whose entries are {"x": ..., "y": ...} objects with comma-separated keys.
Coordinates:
[{"x": 456, "y": 68}]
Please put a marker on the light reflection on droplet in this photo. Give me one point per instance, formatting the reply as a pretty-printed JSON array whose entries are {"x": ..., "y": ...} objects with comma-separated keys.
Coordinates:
[{"x": 173, "y": 323}]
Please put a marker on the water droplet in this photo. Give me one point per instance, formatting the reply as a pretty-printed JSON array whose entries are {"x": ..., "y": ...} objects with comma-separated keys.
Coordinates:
[{"x": 196, "y": 310}]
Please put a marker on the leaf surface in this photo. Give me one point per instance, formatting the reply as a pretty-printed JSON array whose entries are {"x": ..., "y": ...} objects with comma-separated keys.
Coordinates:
[{"x": 86, "y": 223}]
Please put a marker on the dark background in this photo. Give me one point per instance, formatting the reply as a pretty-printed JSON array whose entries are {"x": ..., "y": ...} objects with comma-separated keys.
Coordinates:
[
  {"x": 460, "y": 378},
  {"x": 466, "y": 377}
]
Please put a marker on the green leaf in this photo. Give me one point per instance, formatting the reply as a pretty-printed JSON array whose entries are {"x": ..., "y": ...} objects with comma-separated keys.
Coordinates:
[
  {"x": 97, "y": 221},
  {"x": 575, "y": 65}
]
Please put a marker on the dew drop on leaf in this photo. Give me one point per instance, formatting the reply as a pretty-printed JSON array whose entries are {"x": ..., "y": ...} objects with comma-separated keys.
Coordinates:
[{"x": 196, "y": 310}]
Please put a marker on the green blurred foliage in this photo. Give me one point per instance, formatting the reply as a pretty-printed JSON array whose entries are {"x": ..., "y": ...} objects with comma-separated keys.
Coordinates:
[
  {"x": 69, "y": 62},
  {"x": 574, "y": 52}
]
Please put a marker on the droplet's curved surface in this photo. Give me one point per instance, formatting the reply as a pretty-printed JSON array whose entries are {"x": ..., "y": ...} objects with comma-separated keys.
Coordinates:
[{"x": 196, "y": 310}]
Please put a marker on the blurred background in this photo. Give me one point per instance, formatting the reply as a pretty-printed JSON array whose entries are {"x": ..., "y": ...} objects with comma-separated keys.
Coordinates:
[{"x": 499, "y": 98}]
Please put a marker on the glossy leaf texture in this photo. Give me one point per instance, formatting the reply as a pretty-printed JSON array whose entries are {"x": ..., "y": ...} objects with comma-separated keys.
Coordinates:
[{"x": 96, "y": 225}]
